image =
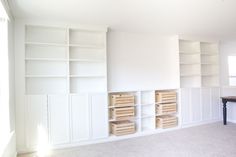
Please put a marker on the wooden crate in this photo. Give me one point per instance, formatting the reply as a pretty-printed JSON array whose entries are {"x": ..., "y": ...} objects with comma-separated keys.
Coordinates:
[
  {"x": 119, "y": 100},
  {"x": 166, "y": 108},
  {"x": 167, "y": 96},
  {"x": 122, "y": 113},
  {"x": 122, "y": 128},
  {"x": 166, "y": 121}
]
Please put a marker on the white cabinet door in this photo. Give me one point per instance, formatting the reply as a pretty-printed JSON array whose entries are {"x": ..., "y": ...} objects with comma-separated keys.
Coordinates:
[
  {"x": 99, "y": 116},
  {"x": 206, "y": 103},
  {"x": 185, "y": 106},
  {"x": 196, "y": 104},
  {"x": 80, "y": 117},
  {"x": 36, "y": 120},
  {"x": 58, "y": 119},
  {"x": 215, "y": 96}
]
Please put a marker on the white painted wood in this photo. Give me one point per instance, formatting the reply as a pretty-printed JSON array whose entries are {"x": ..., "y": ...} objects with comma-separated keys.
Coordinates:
[
  {"x": 36, "y": 121},
  {"x": 20, "y": 85},
  {"x": 45, "y": 34},
  {"x": 186, "y": 106},
  {"x": 199, "y": 64},
  {"x": 215, "y": 103},
  {"x": 99, "y": 116},
  {"x": 206, "y": 103},
  {"x": 80, "y": 120},
  {"x": 59, "y": 119},
  {"x": 196, "y": 104},
  {"x": 82, "y": 37}
]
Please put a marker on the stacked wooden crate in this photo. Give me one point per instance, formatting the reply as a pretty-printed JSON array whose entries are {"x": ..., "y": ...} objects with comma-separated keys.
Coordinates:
[
  {"x": 122, "y": 110},
  {"x": 166, "y": 121},
  {"x": 166, "y": 107}
]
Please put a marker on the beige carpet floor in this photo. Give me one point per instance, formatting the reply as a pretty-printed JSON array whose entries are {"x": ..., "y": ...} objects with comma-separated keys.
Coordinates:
[{"x": 211, "y": 140}]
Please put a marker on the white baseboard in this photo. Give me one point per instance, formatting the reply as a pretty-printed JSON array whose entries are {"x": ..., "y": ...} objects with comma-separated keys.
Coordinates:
[
  {"x": 10, "y": 149},
  {"x": 200, "y": 123},
  {"x": 231, "y": 120}
]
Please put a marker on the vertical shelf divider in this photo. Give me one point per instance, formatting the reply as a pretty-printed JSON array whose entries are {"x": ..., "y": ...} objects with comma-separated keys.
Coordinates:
[{"x": 68, "y": 60}]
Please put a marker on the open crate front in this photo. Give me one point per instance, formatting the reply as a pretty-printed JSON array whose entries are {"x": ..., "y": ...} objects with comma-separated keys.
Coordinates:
[{"x": 122, "y": 128}]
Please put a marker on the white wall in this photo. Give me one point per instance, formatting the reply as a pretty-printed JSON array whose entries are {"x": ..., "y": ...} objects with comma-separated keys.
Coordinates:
[
  {"x": 142, "y": 61},
  {"x": 10, "y": 147},
  {"x": 227, "y": 48}
]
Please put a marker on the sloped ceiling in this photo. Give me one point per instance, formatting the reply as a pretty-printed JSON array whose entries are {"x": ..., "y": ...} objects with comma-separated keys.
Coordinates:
[{"x": 209, "y": 17}]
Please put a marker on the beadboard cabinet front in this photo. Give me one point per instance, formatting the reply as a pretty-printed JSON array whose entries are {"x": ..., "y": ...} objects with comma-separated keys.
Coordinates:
[
  {"x": 80, "y": 117},
  {"x": 59, "y": 119},
  {"x": 99, "y": 114},
  {"x": 200, "y": 105},
  {"x": 36, "y": 120},
  {"x": 206, "y": 103}
]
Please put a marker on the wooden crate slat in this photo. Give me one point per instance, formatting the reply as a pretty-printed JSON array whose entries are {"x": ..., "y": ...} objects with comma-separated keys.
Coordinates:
[
  {"x": 166, "y": 108},
  {"x": 122, "y": 99},
  {"x": 167, "y": 96},
  {"x": 122, "y": 113}
]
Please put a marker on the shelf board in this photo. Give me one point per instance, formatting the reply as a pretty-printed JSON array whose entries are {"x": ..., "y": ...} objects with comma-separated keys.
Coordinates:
[
  {"x": 87, "y": 76},
  {"x": 147, "y": 104},
  {"x": 209, "y": 53},
  {"x": 147, "y": 129},
  {"x": 189, "y": 53},
  {"x": 190, "y": 75},
  {"x": 209, "y": 64},
  {"x": 46, "y": 44},
  {"x": 45, "y": 76},
  {"x": 185, "y": 63},
  {"x": 207, "y": 75},
  {"x": 45, "y": 59},
  {"x": 147, "y": 116},
  {"x": 86, "y": 60},
  {"x": 87, "y": 46}
]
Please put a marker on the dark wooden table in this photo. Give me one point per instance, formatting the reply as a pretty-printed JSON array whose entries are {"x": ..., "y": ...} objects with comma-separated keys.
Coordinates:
[{"x": 224, "y": 101}]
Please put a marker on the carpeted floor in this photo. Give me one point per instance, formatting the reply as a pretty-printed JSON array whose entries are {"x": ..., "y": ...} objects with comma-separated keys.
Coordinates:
[{"x": 211, "y": 140}]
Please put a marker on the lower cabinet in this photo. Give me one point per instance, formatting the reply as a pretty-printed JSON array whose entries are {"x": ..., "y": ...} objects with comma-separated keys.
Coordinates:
[
  {"x": 185, "y": 106},
  {"x": 80, "y": 113},
  {"x": 36, "y": 120},
  {"x": 199, "y": 105},
  {"x": 58, "y": 110},
  {"x": 65, "y": 119},
  {"x": 206, "y": 103},
  {"x": 196, "y": 104},
  {"x": 215, "y": 103},
  {"x": 99, "y": 116}
]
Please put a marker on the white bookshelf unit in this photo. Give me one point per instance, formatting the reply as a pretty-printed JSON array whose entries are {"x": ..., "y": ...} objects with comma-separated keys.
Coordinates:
[
  {"x": 65, "y": 76},
  {"x": 198, "y": 64},
  {"x": 199, "y": 81},
  {"x": 64, "y": 60},
  {"x": 45, "y": 60}
]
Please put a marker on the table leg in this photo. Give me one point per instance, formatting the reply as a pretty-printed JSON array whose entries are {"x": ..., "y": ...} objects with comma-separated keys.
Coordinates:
[{"x": 224, "y": 112}]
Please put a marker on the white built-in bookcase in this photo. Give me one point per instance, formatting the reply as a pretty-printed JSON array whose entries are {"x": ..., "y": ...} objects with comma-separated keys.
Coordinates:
[
  {"x": 199, "y": 65},
  {"x": 65, "y": 76},
  {"x": 64, "y": 60}
]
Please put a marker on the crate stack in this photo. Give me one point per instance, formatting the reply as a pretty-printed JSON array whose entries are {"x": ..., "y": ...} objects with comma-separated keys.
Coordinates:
[
  {"x": 122, "y": 111},
  {"x": 166, "y": 108}
]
